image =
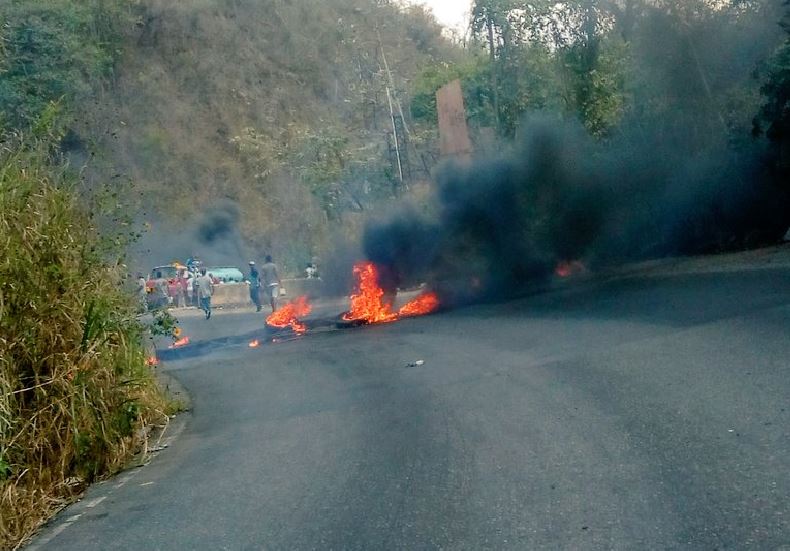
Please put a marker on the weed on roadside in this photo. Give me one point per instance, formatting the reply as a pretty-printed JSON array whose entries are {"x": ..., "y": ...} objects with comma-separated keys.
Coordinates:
[{"x": 75, "y": 389}]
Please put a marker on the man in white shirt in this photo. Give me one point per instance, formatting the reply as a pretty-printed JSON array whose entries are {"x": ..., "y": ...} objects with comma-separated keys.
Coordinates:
[{"x": 205, "y": 289}]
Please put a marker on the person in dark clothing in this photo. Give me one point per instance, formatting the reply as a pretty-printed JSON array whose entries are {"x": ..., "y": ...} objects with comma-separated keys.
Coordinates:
[{"x": 255, "y": 286}]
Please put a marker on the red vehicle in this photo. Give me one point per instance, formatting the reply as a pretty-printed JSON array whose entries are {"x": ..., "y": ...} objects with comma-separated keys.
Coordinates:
[{"x": 175, "y": 279}]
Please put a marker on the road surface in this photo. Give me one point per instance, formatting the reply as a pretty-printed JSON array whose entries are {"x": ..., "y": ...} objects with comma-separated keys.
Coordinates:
[{"x": 646, "y": 413}]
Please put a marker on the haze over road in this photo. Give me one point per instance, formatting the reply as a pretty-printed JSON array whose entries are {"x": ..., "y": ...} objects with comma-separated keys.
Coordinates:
[{"x": 646, "y": 413}]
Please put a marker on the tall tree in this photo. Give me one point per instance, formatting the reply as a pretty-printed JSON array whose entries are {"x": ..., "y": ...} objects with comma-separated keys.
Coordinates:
[
  {"x": 774, "y": 117},
  {"x": 488, "y": 18}
]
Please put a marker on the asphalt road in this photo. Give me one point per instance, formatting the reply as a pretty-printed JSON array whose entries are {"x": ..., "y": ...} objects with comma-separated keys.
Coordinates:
[{"x": 649, "y": 413}]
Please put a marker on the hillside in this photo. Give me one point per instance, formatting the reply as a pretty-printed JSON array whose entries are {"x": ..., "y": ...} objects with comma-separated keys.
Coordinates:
[
  {"x": 255, "y": 126},
  {"x": 279, "y": 107}
]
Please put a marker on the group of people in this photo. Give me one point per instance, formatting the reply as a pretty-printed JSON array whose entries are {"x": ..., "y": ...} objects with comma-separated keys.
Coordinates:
[
  {"x": 266, "y": 281},
  {"x": 160, "y": 294},
  {"x": 265, "y": 284}
]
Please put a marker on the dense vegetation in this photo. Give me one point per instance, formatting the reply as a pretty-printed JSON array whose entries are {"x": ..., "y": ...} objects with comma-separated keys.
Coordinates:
[
  {"x": 774, "y": 117},
  {"x": 612, "y": 62},
  {"x": 280, "y": 106},
  {"x": 75, "y": 388}
]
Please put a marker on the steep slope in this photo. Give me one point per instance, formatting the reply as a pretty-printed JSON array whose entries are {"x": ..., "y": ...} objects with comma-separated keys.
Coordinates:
[{"x": 277, "y": 105}]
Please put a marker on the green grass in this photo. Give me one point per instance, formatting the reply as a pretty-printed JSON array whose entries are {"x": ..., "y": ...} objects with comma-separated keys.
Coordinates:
[{"x": 75, "y": 387}]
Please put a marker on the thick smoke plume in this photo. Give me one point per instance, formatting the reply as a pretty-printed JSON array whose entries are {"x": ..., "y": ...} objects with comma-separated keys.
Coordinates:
[
  {"x": 213, "y": 235},
  {"x": 219, "y": 228},
  {"x": 680, "y": 178},
  {"x": 560, "y": 196}
]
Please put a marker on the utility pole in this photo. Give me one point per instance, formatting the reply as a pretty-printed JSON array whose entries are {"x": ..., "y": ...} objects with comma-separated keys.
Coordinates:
[
  {"x": 391, "y": 82},
  {"x": 393, "y": 103},
  {"x": 395, "y": 136}
]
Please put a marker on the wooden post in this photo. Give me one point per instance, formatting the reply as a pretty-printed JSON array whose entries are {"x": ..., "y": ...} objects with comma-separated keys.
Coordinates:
[{"x": 453, "y": 132}]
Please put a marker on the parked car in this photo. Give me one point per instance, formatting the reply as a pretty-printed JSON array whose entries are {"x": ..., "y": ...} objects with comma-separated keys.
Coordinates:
[{"x": 225, "y": 274}]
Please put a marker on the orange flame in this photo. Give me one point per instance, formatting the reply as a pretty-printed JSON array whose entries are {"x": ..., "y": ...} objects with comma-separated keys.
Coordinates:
[
  {"x": 366, "y": 303},
  {"x": 288, "y": 315},
  {"x": 420, "y": 306},
  {"x": 180, "y": 342},
  {"x": 255, "y": 344},
  {"x": 569, "y": 268}
]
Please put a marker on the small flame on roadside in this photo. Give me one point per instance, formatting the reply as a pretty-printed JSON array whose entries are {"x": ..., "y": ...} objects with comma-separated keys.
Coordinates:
[
  {"x": 152, "y": 361},
  {"x": 255, "y": 344},
  {"x": 569, "y": 268},
  {"x": 420, "y": 306},
  {"x": 289, "y": 315},
  {"x": 367, "y": 304},
  {"x": 180, "y": 342}
]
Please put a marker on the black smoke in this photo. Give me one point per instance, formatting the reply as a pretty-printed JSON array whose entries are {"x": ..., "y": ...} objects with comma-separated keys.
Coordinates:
[
  {"x": 218, "y": 224},
  {"x": 213, "y": 235},
  {"x": 679, "y": 175},
  {"x": 503, "y": 224}
]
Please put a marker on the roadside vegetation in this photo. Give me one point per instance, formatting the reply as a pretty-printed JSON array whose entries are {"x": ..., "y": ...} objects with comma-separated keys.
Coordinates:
[{"x": 76, "y": 392}]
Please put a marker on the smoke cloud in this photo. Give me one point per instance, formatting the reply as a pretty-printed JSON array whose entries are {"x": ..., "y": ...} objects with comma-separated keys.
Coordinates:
[
  {"x": 218, "y": 236},
  {"x": 676, "y": 177},
  {"x": 561, "y": 196},
  {"x": 213, "y": 235}
]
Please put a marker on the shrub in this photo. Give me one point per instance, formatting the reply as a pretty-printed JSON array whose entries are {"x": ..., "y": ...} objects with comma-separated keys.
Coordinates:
[{"x": 75, "y": 387}]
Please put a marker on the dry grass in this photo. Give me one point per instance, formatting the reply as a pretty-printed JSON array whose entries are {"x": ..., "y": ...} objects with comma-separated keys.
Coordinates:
[{"x": 75, "y": 387}]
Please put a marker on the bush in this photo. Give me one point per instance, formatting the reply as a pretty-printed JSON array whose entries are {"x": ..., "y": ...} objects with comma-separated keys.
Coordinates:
[
  {"x": 75, "y": 386},
  {"x": 54, "y": 50}
]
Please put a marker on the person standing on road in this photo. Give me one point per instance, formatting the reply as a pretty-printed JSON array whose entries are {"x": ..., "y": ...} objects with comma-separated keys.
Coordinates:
[
  {"x": 255, "y": 286},
  {"x": 205, "y": 290},
  {"x": 271, "y": 281},
  {"x": 181, "y": 288},
  {"x": 142, "y": 291},
  {"x": 161, "y": 291}
]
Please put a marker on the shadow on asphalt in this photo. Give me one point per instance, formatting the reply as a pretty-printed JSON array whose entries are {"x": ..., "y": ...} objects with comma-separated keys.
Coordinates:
[
  {"x": 685, "y": 300},
  {"x": 266, "y": 336},
  {"x": 202, "y": 348}
]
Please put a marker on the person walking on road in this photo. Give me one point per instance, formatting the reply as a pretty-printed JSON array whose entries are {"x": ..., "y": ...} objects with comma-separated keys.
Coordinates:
[
  {"x": 161, "y": 291},
  {"x": 182, "y": 282},
  {"x": 255, "y": 286},
  {"x": 205, "y": 290},
  {"x": 271, "y": 281}
]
